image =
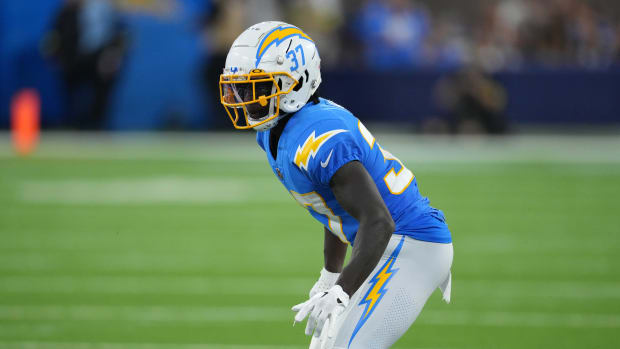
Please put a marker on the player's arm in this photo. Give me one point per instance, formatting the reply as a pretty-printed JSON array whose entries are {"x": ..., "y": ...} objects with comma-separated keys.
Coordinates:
[
  {"x": 357, "y": 193},
  {"x": 334, "y": 252}
]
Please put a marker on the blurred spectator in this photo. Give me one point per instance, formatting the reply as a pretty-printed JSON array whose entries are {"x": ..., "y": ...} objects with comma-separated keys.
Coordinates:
[
  {"x": 88, "y": 44},
  {"x": 393, "y": 33},
  {"x": 495, "y": 35},
  {"x": 557, "y": 33},
  {"x": 322, "y": 20},
  {"x": 473, "y": 101},
  {"x": 504, "y": 35},
  {"x": 440, "y": 37},
  {"x": 448, "y": 45}
]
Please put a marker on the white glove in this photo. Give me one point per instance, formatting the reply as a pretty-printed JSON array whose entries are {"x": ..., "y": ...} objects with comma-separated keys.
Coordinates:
[
  {"x": 322, "y": 306},
  {"x": 325, "y": 282}
]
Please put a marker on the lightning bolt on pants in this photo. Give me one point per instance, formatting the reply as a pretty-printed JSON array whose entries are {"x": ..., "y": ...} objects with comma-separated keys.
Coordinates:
[{"x": 393, "y": 295}]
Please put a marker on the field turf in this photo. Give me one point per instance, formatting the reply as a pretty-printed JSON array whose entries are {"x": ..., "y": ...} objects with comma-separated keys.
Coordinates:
[{"x": 189, "y": 242}]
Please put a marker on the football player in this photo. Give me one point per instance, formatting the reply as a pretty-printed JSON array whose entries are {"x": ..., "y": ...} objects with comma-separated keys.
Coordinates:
[{"x": 363, "y": 195}]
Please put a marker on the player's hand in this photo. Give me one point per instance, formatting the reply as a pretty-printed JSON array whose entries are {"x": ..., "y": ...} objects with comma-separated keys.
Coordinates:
[
  {"x": 322, "y": 306},
  {"x": 325, "y": 282}
]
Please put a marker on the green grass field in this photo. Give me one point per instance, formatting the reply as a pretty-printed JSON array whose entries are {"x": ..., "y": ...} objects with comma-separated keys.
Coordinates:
[{"x": 189, "y": 241}]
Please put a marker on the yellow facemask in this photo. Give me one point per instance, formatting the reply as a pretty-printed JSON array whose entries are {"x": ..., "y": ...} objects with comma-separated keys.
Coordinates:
[{"x": 252, "y": 93}]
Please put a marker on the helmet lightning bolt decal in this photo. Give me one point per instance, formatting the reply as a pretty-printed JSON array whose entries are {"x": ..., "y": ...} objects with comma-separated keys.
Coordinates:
[
  {"x": 311, "y": 146},
  {"x": 377, "y": 288},
  {"x": 276, "y": 36}
]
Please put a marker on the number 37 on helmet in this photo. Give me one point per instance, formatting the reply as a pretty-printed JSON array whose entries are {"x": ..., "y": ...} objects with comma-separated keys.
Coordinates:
[{"x": 272, "y": 68}]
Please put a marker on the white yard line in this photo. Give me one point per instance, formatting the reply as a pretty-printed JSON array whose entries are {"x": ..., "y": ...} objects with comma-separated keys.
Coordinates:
[
  {"x": 144, "y": 313},
  {"x": 148, "y": 191},
  {"x": 156, "y": 285},
  {"x": 74, "y": 345},
  {"x": 95, "y": 242},
  {"x": 194, "y": 314},
  {"x": 504, "y": 290},
  {"x": 520, "y": 319},
  {"x": 409, "y": 147},
  {"x": 133, "y": 345},
  {"x": 179, "y": 260}
]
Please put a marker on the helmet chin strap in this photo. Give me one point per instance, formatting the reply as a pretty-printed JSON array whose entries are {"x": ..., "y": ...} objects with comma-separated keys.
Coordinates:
[{"x": 272, "y": 110}]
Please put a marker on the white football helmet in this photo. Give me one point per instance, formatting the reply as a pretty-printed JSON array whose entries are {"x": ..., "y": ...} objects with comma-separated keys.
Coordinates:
[{"x": 272, "y": 68}]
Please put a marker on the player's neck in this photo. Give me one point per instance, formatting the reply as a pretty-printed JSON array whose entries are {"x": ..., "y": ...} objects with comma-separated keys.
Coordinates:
[{"x": 275, "y": 133}]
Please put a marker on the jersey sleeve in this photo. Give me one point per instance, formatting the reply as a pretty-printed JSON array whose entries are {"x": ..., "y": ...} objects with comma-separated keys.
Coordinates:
[{"x": 326, "y": 149}]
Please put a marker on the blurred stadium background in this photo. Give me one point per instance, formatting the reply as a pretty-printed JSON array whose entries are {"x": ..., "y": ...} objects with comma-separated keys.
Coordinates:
[{"x": 137, "y": 219}]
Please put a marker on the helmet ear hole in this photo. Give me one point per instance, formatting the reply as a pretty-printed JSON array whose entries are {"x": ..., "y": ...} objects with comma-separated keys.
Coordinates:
[{"x": 299, "y": 85}]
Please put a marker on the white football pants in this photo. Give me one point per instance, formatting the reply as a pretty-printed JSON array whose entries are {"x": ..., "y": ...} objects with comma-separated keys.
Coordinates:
[{"x": 393, "y": 295}]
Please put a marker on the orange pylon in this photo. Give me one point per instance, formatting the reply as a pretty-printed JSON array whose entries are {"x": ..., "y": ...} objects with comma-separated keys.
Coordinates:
[{"x": 25, "y": 121}]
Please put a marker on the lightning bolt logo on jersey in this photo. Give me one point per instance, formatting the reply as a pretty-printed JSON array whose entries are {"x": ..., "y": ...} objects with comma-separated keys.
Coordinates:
[
  {"x": 311, "y": 146},
  {"x": 321, "y": 138}
]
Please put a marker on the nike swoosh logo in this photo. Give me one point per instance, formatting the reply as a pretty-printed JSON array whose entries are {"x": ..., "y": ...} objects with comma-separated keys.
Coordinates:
[{"x": 324, "y": 163}]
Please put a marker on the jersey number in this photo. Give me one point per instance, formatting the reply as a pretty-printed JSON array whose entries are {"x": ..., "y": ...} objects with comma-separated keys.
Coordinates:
[
  {"x": 317, "y": 203},
  {"x": 396, "y": 182},
  {"x": 293, "y": 57}
]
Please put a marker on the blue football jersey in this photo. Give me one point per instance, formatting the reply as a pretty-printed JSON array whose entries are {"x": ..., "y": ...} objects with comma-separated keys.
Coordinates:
[{"x": 321, "y": 138}]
